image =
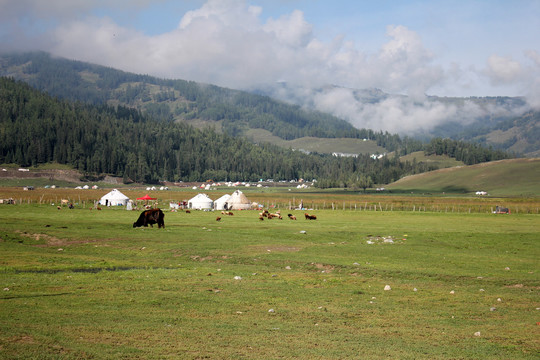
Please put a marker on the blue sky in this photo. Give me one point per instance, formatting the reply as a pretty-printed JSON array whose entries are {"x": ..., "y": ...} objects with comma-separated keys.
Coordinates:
[{"x": 445, "y": 48}]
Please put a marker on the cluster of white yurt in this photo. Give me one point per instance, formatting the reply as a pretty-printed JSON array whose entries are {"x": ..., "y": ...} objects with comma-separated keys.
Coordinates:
[{"x": 236, "y": 201}]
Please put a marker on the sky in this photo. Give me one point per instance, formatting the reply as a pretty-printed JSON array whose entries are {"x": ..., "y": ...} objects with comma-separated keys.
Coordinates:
[{"x": 415, "y": 48}]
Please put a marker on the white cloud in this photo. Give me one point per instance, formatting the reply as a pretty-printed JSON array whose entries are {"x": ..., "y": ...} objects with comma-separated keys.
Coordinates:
[
  {"x": 503, "y": 70},
  {"x": 229, "y": 43},
  {"x": 290, "y": 29},
  {"x": 396, "y": 114},
  {"x": 525, "y": 77},
  {"x": 225, "y": 13},
  {"x": 226, "y": 42},
  {"x": 534, "y": 56}
]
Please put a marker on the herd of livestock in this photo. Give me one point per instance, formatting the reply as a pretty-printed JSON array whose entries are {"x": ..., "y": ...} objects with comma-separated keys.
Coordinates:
[{"x": 156, "y": 216}]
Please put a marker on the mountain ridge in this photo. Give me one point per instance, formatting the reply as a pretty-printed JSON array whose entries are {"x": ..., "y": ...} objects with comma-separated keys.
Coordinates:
[{"x": 237, "y": 112}]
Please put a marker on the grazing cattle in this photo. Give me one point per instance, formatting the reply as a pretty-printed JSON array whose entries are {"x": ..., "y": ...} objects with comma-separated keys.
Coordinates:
[
  {"x": 218, "y": 219},
  {"x": 153, "y": 216},
  {"x": 230, "y": 213},
  {"x": 261, "y": 217},
  {"x": 188, "y": 212},
  {"x": 310, "y": 217},
  {"x": 291, "y": 216}
]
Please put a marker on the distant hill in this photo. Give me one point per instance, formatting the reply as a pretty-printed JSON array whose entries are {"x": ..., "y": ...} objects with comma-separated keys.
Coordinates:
[
  {"x": 519, "y": 134},
  {"x": 320, "y": 145},
  {"x": 500, "y": 178},
  {"x": 503, "y": 122},
  {"x": 201, "y": 105},
  {"x": 261, "y": 117},
  {"x": 441, "y": 161}
]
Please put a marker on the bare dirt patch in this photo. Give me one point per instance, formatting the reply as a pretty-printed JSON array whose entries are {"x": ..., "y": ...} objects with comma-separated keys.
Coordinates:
[
  {"x": 23, "y": 339},
  {"x": 206, "y": 258},
  {"x": 51, "y": 240},
  {"x": 73, "y": 176},
  {"x": 324, "y": 267},
  {"x": 54, "y": 241}
]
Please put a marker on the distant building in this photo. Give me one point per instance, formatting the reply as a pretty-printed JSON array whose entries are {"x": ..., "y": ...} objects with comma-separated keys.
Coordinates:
[{"x": 340, "y": 154}]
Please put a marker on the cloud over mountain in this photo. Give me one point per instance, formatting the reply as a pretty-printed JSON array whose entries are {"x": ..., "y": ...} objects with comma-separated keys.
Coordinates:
[{"x": 231, "y": 43}]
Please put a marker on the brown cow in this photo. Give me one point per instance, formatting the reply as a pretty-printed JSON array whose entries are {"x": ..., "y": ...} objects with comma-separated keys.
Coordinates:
[
  {"x": 310, "y": 217},
  {"x": 291, "y": 216},
  {"x": 152, "y": 216}
]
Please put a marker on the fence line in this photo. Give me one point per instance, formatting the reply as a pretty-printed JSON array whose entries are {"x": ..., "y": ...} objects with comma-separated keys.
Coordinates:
[{"x": 342, "y": 206}]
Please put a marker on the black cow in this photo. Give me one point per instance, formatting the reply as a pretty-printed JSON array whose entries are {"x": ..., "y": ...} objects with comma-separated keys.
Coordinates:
[
  {"x": 502, "y": 210},
  {"x": 152, "y": 216}
]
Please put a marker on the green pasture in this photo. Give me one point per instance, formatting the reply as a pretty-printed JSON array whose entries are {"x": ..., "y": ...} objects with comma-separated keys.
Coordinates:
[
  {"x": 320, "y": 145},
  {"x": 442, "y": 161},
  {"x": 85, "y": 284},
  {"x": 514, "y": 177}
]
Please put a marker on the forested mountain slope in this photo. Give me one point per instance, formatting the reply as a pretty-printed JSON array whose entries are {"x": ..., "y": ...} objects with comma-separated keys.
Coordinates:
[
  {"x": 519, "y": 134},
  {"x": 229, "y": 111},
  {"x": 36, "y": 128}
]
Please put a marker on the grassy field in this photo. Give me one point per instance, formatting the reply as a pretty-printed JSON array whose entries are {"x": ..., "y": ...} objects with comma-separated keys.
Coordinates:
[
  {"x": 442, "y": 161},
  {"x": 518, "y": 177},
  {"x": 320, "y": 145},
  {"x": 81, "y": 284}
]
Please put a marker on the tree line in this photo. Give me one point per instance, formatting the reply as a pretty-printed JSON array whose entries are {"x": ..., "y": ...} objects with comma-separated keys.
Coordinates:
[{"x": 469, "y": 153}]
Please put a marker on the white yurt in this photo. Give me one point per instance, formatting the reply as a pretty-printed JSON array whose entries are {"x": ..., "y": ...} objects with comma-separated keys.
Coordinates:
[
  {"x": 239, "y": 201},
  {"x": 222, "y": 203},
  {"x": 200, "y": 202},
  {"x": 114, "y": 198}
]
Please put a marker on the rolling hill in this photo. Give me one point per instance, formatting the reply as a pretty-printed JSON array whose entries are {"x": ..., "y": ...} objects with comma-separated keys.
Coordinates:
[
  {"x": 500, "y": 178},
  {"x": 518, "y": 134}
]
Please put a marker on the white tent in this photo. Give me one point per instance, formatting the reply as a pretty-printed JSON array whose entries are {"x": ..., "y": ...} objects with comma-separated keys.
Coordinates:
[
  {"x": 222, "y": 203},
  {"x": 114, "y": 198},
  {"x": 239, "y": 201},
  {"x": 200, "y": 202}
]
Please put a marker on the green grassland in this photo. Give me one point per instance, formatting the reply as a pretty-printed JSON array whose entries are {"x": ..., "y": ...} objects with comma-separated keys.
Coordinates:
[
  {"x": 502, "y": 178},
  {"x": 320, "y": 145},
  {"x": 81, "y": 284},
  {"x": 442, "y": 161}
]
